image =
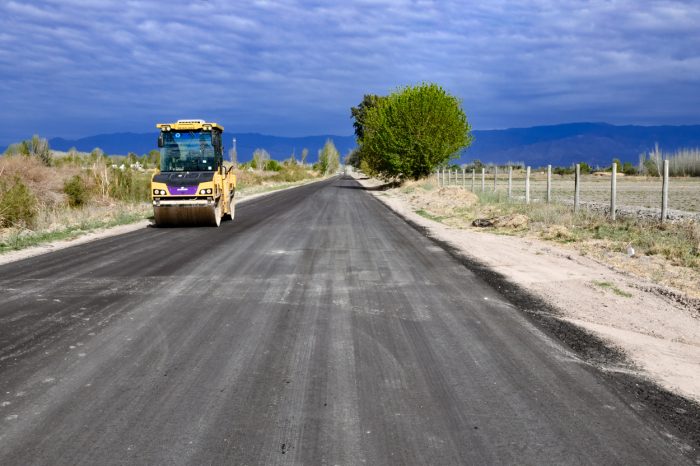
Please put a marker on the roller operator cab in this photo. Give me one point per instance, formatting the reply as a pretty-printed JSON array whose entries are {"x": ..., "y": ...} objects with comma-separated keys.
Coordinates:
[{"x": 192, "y": 187}]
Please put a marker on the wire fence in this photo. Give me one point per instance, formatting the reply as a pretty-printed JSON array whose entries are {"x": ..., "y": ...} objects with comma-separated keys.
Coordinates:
[{"x": 615, "y": 193}]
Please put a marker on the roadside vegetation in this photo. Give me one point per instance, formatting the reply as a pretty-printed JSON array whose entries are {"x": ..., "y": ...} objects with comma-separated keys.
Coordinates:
[
  {"x": 666, "y": 253},
  {"x": 48, "y": 195}
]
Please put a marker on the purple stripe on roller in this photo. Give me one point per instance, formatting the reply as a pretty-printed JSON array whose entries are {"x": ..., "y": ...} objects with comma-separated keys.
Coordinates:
[{"x": 182, "y": 190}]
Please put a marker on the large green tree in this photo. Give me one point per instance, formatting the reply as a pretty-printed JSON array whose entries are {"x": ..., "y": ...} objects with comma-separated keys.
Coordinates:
[
  {"x": 407, "y": 134},
  {"x": 359, "y": 113}
]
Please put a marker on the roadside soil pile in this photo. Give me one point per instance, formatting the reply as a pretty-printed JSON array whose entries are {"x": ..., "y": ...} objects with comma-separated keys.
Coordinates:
[{"x": 605, "y": 292}]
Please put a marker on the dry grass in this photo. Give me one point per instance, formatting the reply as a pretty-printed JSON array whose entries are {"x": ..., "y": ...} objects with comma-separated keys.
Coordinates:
[
  {"x": 667, "y": 254},
  {"x": 113, "y": 196},
  {"x": 632, "y": 191},
  {"x": 110, "y": 199},
  {"x": 45, "y": 182}
]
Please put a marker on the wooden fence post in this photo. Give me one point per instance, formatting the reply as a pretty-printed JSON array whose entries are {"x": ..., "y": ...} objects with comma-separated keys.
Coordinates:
[
  {"x": 577, "y": 187},
  {"x": 527, "y": 185},
  {"x": 613, "y": 191},
  {"x": 510, "y": 182},
  {"x": 464, "y": 178},
  {"x": 473, "y": 178},
  {"x": 664, "y": 193},
  {"x": 483, "y": 180},
  {"x": 549, "y": 184}
]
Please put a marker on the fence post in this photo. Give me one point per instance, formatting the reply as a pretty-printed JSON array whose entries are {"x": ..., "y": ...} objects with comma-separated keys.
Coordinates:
[
  {"x": 613, "y": 191},
  {"x": 664, "y": 193},
  {"x": 577, "y": 186},
  {"x": 483, "y": 180},
  {"x": 473, "y": 178},
  {"x": 527, "y": 185},
  {"x": 510, "y": 182},
  {"x": 549, "y": 184},
  {"x": 464, "y": 178},
  {"x": 495, "y": 178}
]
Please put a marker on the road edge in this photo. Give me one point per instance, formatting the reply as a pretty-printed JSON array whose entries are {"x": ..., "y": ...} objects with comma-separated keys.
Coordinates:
[
  {"x": 677, "y": 417},
  {"x": 108, "y": 232}
]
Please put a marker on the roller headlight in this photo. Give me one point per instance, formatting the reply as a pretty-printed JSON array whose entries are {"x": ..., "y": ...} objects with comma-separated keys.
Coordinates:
[{"x": 205, "y": 191}]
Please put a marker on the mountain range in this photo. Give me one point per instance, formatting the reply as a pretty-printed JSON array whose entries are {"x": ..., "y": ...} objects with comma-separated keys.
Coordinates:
[
  {"x": 563, "y": 145},
  {"x": 559, "y": 145},
  {"x": 280, "y": 148}
]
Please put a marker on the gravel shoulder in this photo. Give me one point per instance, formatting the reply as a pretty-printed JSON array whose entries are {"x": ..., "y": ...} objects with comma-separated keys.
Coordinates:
[{"x": 657, "y": 328}]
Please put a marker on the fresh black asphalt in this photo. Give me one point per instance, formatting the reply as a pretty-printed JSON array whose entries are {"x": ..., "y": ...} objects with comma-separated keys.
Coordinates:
[{"x": 316, "y": 328}]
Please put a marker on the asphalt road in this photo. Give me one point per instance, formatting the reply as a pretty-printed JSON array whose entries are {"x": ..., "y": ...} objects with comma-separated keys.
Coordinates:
[{"x": 316, "y": 328}]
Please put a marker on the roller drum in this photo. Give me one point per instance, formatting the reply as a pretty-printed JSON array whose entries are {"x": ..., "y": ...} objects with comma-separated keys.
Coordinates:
[{"x": 174, "y": 216}]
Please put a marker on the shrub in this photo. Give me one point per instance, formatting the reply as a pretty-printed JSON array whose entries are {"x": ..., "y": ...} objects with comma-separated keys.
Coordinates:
[
  {"x": 273, "y": 165},
  {"x": 628, "y": 168},
  {"x": 291, "y": 173},
  {"x": 18, "y": 205},
  {"x": 77, "y": 191},
  {"x": 328, "y": 158},
  {"x": 129, "y": 185},
  {"x": 35, "y": 147},
  {"x": 260, "y": 159}
]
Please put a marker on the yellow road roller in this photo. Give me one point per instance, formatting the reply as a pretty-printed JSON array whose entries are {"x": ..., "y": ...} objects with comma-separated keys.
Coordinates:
[{"x": 192, "y": 186}]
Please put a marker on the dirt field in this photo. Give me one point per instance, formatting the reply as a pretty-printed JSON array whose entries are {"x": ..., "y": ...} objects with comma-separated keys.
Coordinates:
[
  {"x": 657, "y": 327},
  {"x": 632, "y": 191}
]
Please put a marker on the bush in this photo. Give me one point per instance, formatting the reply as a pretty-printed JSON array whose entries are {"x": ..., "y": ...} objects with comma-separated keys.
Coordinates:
[
  {"x": 77, "y": 191},
  {"x": 273, "y": 165},
  {"x": 18, "y": 205},
  {"x": 628, "y": 168},
  {"x": 562, "y": 170},
  {"x": 328, "y": 158},
  {"x": 35, "y": 147},
  {"x": 291, "y": 173},
  {"x": 129, "y": 185}
]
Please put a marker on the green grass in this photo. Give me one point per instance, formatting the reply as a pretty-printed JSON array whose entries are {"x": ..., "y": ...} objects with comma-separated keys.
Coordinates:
[
  {"x": 429, "y": 216},
  {"x": 613, "y": 288},
  {"x": 25, "y": 239}
]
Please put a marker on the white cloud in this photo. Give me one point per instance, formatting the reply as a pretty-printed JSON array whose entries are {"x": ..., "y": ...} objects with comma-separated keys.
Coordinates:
[{"x": 513, "y": 63}]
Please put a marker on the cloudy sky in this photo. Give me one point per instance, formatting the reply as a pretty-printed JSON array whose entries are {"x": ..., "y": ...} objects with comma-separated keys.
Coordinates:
[{"x": 294, "y": 67}]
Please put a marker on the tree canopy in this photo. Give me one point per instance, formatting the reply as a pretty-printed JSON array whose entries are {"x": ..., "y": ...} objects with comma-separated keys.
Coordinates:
[{"x": 410, "y": 132}]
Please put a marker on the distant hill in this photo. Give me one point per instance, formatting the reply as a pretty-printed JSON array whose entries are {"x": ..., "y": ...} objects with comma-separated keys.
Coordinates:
[
  {"x": 563, "y": 145},
  {"x": 279, "y": 148}
]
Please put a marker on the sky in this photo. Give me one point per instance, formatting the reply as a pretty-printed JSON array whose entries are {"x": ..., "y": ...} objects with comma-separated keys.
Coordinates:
[{"x": 75, "y": 68}]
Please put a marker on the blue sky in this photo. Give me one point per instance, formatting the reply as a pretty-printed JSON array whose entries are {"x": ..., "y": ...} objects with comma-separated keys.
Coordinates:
[{"x": 76, "y": 68}]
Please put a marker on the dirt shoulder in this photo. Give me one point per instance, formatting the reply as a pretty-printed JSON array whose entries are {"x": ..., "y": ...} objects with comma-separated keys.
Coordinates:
[{"x": 658, "y": 328}]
